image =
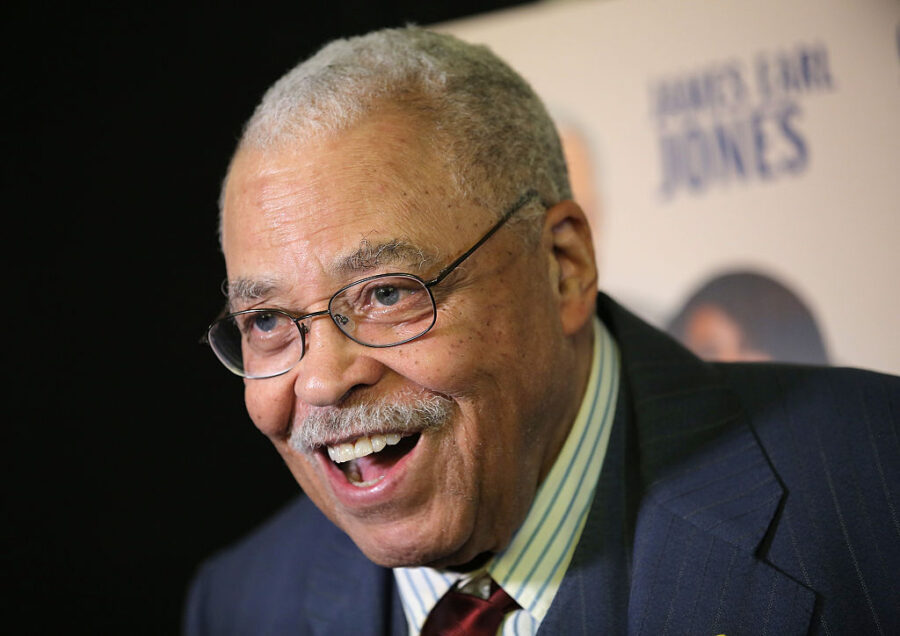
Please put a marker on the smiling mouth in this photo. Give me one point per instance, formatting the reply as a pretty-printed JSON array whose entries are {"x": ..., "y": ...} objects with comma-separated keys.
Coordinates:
[{"x": 366, "y": 460}]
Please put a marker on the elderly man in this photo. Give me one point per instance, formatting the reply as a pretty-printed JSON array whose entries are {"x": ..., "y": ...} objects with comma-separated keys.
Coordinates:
[{"x": 482, "y": 444}]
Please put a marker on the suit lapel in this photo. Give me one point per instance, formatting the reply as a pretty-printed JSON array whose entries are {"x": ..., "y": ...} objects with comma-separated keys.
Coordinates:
[
  {"x": 708, "y": 495},
  {"x": 352, "y": 595}
]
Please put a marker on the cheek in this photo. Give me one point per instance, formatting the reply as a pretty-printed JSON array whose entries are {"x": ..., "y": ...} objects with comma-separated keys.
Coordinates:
[
  {"x": 269, "y": 405},
  {"x": 449, "y": 362}
]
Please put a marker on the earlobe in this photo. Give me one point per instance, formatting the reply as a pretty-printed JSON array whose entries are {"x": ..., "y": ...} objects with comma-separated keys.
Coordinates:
[{"x": 567, "y": 230}]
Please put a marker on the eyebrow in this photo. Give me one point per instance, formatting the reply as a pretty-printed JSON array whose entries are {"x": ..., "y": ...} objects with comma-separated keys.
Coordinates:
[
  {"x": 247, "y": 289},
  {"x": 395, "y": 252},
  {"x": 392, "y": 252}
]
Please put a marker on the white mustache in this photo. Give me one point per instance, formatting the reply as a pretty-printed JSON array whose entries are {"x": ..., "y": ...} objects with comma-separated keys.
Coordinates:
[{"x": 329, "y": 425}]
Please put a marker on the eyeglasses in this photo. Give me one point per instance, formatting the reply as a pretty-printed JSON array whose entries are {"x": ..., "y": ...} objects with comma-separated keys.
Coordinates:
[{"x": 379, "y": 311}]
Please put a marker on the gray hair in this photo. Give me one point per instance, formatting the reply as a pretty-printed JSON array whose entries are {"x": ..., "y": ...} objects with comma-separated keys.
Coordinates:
[{"x": 485, "y": 118}]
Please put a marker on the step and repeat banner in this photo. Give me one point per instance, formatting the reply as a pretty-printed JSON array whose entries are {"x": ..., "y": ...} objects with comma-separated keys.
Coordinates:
[{"x": 740, "y": 163}]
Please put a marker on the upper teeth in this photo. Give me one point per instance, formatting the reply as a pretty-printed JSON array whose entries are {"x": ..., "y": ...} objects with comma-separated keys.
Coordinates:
[{"x": 363, "y": 446}]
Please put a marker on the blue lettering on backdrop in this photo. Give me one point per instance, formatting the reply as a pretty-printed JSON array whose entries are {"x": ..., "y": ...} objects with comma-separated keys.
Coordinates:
[{"x": 717, "y": 127}]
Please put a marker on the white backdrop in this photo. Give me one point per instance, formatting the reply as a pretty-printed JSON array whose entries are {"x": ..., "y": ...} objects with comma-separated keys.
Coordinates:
[{"x": 727, "y": 134}]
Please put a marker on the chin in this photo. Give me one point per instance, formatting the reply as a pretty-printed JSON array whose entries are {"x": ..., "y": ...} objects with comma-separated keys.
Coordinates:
[
  {"x": 399, "y": 547},
  {"x": 396, "y": 556}
]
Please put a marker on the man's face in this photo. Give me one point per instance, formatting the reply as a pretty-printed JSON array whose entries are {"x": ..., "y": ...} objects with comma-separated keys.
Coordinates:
[{"x": 295, "y": 221}]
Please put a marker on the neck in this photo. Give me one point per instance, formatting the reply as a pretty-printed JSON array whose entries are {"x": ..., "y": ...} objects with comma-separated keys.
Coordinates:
[{"x": 583, "y": 353}]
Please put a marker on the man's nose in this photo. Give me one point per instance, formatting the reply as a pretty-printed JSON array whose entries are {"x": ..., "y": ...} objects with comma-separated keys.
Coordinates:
[{"x": 333, "y": 365}]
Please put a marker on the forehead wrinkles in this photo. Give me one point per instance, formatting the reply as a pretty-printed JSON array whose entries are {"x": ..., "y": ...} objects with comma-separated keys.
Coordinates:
[
  {"x": 392, "y": 156},
  {"x": 287, "y": 201},
  {"x": 372, "y": 195}
]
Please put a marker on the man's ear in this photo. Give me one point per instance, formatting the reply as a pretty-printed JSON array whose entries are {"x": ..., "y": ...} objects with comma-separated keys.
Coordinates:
[{"x": 567, "y": 233}]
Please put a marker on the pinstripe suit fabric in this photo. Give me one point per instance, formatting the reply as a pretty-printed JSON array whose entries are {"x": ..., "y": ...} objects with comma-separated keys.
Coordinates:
[{"x": 736, "y": 499}]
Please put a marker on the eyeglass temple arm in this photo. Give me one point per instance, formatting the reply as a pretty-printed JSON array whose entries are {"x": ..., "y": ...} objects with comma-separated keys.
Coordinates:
[{"x": 518, "y": 205}]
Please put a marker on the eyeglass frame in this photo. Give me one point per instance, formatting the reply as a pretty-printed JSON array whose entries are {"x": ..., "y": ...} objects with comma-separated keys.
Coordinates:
[{"x": 520, "y": 203}]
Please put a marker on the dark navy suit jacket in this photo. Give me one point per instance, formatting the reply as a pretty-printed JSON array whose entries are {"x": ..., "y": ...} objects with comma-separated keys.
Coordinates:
[{"x": 735, "y": 499}]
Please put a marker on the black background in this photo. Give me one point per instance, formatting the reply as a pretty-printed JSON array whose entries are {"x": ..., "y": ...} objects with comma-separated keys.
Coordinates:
[{"x": 130, "y": 455}]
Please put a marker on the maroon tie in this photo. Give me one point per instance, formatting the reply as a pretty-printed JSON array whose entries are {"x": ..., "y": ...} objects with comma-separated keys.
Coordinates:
[{"x": 461, "y": 614}]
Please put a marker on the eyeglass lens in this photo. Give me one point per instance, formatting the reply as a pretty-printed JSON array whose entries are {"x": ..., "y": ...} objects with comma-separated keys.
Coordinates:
[{"x": 380, "y": 311}]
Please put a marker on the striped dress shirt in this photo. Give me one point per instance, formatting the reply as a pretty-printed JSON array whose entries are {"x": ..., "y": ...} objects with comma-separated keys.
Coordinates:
[{"x": 532, "y": 566}]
